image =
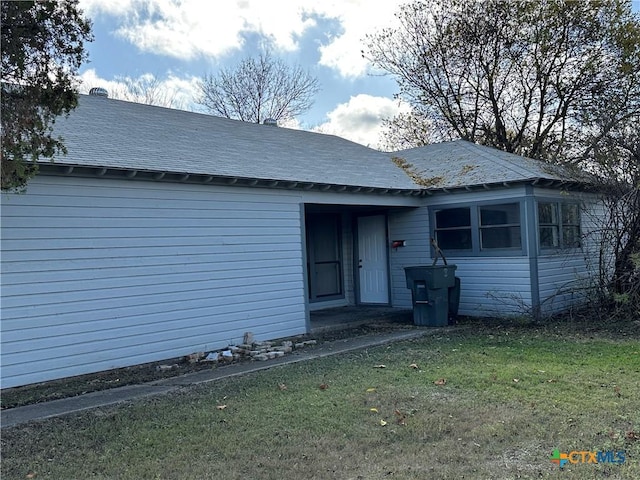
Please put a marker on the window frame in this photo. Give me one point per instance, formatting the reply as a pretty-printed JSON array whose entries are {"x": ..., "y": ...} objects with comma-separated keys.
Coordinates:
[
  {"x": 560, "y": 225},
  {"x": 476, "y": 250}
]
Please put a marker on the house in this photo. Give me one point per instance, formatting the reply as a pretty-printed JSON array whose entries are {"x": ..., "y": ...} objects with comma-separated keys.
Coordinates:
[{"x": 164, "y": 232}]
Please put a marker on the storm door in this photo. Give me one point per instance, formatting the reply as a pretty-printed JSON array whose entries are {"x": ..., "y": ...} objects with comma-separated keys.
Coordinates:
[{"x": 324, "y": 257}]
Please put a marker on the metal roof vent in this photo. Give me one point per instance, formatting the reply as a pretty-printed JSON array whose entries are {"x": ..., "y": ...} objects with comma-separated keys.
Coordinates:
[
  {"x": 270, "y": 121},
  {"x": 99, "y": 92}
]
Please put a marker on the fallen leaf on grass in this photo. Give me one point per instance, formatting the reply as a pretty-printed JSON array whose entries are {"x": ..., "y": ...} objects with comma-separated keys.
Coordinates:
[
  {"x": 373, "y": 409},
  {"x": 552, "y": 380},
  {"x": 440, "y": 381},
  {"x": 516, "y": 380},
  {"x": 282, "y": 386},
  {"x": 383, "y": 423},
  {"x": 380, "y": 366},
  {"x": 369, "y": 390},
  {"x": 414, "y": 366},
  {"x": 633, "y": 436},
  {"x": 221, "y": 407},
  {"x": 31, "y": 475},
  {"x": 401, "y": 417},
  {"x": 323, "y": 386}
]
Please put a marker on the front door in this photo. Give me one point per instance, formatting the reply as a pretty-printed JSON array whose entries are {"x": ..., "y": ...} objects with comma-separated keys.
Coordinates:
[{"x": 372, "y": 259}]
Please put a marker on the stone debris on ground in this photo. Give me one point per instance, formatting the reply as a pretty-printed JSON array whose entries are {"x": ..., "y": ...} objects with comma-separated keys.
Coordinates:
[{"x": 250, "y": 349}]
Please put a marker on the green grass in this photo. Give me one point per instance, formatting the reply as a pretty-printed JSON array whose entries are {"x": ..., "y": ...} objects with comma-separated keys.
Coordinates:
[{"x": 512, "y": 395}]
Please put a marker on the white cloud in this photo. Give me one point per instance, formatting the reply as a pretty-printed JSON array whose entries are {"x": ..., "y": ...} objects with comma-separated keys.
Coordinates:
[
  {"x": 360, "y": 119},
  {"x": 188, "y": 29},
  {"x": 358, "y": 18}
]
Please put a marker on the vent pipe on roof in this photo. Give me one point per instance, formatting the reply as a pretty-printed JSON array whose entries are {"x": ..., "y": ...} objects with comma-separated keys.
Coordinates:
[
  {"x": 270, "y": 121},
  {"x": 99, "y": 92}
]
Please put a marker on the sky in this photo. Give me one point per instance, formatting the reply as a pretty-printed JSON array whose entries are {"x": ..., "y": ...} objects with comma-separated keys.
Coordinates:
[{"x": 179, "y": 41}]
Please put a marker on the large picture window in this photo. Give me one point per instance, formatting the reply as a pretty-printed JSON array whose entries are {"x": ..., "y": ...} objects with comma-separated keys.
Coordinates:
[
  {"x": 479, "y": 229},
  {"x": 559, "y": 225}
]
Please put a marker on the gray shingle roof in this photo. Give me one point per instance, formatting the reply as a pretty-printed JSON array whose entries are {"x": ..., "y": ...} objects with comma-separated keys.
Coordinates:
[
  {"x": 104, "y": 132},
  {"x": 460, "y": 163},
  {"x": 109, "y": 133}
]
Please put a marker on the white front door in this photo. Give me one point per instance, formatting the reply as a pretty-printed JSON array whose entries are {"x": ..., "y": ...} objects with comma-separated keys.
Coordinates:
[{"x": 372, "y": 259}]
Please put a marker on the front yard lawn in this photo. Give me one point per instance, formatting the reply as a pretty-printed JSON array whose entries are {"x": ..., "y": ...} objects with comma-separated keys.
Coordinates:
[{"x": 473, "y": 402}]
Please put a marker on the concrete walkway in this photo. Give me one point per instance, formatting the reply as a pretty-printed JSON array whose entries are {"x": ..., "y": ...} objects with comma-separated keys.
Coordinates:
[{"x": 40, "y": 411}]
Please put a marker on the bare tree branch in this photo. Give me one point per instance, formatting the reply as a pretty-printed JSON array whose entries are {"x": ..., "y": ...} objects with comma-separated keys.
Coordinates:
[{"x": 257, "y": 89}]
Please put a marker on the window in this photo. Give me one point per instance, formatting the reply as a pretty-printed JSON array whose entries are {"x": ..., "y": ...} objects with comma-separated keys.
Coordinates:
[
  {"x": 559, "y": 225},
  {"x": 500, "y": 226},
  {"x": 453, "y": 228},
  {"x": 479, "y": 229}
]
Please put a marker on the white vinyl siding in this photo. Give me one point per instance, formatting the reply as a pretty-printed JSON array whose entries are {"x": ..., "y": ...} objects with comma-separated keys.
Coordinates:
[
  {"x": 412, "y": 226},
  {"x": 563, "y": 282},
  {"x": 490, "y": 286},
  {"x": 567, "y": 275},
  {"x": 494, "y": 286},
  {"x": 104, "y": 274}
]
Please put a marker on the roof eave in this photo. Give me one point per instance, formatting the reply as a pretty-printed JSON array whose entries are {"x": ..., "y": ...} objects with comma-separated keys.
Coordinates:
[
  {"x": 206, "y": 179},
  {"x": 541, "y": 182}
]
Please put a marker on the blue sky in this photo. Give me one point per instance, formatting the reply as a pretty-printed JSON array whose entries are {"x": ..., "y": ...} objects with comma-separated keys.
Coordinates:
[{"x": 178, "y": 41}]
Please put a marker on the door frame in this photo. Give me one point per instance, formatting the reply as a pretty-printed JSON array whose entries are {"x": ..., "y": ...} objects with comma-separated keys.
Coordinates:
[{"x": 356, "y": 256}]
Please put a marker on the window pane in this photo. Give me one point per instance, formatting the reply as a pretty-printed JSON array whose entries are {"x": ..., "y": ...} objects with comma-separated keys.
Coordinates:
[
  {"x": 454, "y": 239},
  {"x": 453, "y": 217},
  {"x": 571, "y": 236},
  {"x": 547, "y": 213},
  {"x": 500, "y": 214},
  {"x": 500, "y": 237},
  {"x": 549, "y": 237},
  {"x": 570, "y": 214}
]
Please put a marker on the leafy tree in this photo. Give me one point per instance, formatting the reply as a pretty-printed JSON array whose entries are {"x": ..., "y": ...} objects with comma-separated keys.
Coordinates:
[
  {"x": 42, "y": 48},
  {"x": 257, "y": 89},
  {"x": 519, "y": 75}
]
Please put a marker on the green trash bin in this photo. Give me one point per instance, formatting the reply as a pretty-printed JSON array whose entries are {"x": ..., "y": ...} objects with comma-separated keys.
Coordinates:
[
  {"x": 454, "y": 302},
  {"x": 429, "y": 285}
]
